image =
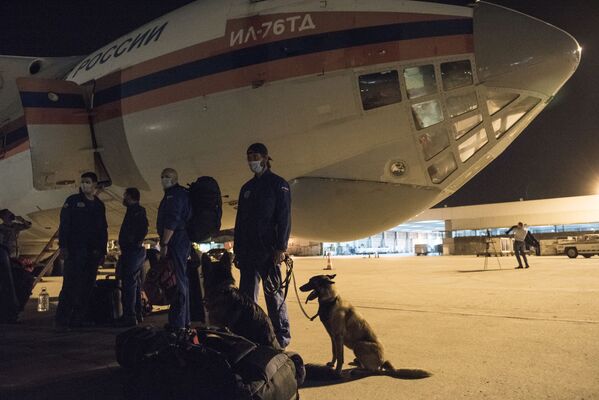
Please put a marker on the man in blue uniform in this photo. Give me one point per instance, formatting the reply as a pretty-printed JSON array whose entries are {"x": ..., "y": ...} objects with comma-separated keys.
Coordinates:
[
  {"x": 131, "y": 236},
  {"x": 173, "y": 213},
  {"x": 262, "y": 230},
  {"x": 82, "y": 239}
]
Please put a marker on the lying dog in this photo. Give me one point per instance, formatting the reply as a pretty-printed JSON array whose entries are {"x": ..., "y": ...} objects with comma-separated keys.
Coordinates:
[
  {"x": 346, "y": 327},
  {"x": 227, "y": 307}
]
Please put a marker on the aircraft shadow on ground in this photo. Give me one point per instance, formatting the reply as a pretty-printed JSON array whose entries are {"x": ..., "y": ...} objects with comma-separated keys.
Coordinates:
[{"x": 321, "y": 375}]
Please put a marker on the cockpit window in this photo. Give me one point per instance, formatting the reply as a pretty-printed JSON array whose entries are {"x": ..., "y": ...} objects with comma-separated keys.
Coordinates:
[
  {"x": 379, "y": 89},
  {"x": 456, "y": 74},
  {"x": 442, "y": 168},
  {"x": 464, "y": 125},
  {"x": 473, "y": 144},
  {"x": 496, "y": 101},
  {"x": 427, "y": 113},
  {"x": 461, "y": 104},
  {"x": 420, "y": 81},
  {"x": 506, "y": 120},
  {"x": 433, "y": 142}
]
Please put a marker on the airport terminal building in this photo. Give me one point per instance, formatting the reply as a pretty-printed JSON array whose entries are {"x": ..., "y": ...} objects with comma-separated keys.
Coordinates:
[{"x": 463, "y": 230}]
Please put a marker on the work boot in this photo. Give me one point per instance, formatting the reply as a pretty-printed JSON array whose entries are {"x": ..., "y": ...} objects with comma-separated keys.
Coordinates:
[
  {"x": 519, "y": 267},
  {"x": 527, "y": 266}
]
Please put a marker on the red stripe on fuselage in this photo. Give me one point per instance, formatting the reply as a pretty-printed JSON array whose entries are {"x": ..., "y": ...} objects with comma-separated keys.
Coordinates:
[{"x": 56, "y": 116}]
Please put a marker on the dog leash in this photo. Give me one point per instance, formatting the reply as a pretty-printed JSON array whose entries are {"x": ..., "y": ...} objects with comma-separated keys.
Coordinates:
[
  {"x": 289, "y": 275},
  {"x": 289, "y": 263}
]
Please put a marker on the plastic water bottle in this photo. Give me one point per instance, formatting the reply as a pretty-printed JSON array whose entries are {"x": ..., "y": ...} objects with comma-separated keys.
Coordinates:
[{"x": 43, "y": 301}]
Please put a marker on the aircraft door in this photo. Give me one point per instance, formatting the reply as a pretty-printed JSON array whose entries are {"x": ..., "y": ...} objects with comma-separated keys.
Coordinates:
[{"x": 60, "y": 137}]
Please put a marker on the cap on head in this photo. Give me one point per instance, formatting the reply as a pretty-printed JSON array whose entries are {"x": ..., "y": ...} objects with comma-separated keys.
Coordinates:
[{"x": 259, "y": 148}]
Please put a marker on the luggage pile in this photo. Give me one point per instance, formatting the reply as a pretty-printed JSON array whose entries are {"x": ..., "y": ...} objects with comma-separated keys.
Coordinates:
[{"x": 205, "y": 364}]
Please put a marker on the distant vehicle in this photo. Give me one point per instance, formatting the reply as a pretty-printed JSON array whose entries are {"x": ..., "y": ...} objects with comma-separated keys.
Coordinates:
[
  {"x": 422, "y": 249},
  {"x": 587, "y": 246}
]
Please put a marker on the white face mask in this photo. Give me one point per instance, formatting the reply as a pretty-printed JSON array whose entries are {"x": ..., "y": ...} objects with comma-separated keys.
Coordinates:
[
  {"x": 87, "y": 188},
  {"x": 166, "y": 182},
  {"x": 256, "y": 166}
]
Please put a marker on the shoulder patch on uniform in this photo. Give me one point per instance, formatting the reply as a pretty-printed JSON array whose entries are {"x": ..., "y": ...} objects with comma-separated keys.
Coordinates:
[
  {"x": 80, "y": 204},
  {"x": 66, "y": 205},
  {"x": 247, "y": 194},
  {"x": 285, "y": 188},
  {"x": 170, "y": 196}
]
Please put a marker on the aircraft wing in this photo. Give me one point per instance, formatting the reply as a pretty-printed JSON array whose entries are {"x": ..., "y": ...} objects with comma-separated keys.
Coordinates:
[{"x": 13, "y": 67}]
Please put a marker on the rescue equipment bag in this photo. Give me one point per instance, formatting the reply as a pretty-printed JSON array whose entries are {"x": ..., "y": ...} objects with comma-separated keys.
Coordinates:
[
  {"x": 206, "y": 209},
  {"x": 161, "y": 283},
  {"x": 214, "y": 364},
  {"x": 105, "y": 305}
]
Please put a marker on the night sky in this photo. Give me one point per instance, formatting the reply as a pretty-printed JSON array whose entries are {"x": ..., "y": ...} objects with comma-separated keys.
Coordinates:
[{"x": 556, "y": 156}]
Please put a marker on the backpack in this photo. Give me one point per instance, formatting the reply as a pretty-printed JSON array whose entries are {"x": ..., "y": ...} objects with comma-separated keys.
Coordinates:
[
  {"x": 161, "y": 283},
  {"x": 206, "y": 209},
  {"x": 216, "y": 364}
]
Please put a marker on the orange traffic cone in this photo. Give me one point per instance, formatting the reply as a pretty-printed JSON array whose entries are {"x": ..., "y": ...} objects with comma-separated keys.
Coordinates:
[{"x": 329, "y": 262}]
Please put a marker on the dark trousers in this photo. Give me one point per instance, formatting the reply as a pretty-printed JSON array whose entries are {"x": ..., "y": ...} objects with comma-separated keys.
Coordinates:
[
  {"x": 131, "y": 264},
  {"x": 79, "y": 277},
  {"x": 275, "y": 300},
  {"x": 519, "y": 249},
  {"x": 178, "y": 253},
  {"x": 9, "y": 305}
]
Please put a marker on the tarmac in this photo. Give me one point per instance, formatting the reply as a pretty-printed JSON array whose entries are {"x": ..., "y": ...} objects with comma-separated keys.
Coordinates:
[{"x": 498, "y": 333}]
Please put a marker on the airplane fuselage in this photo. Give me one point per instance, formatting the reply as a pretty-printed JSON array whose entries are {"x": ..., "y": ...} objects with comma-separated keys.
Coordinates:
[{"x": 373, "y": 111}]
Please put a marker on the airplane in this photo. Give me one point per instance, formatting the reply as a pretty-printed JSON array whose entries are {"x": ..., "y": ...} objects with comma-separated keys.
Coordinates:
[{"x": 374, "y": 110}]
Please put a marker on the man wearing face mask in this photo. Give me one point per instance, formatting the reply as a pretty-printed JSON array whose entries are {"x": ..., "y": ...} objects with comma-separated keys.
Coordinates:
[
  {"x": 131, "y": 236},
  {"x": 262, "y": 230},
  {"x": 173, "y": 213},
  {"x": 82, "y": 238}
]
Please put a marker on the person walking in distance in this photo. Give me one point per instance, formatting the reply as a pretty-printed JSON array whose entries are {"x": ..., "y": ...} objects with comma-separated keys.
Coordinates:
[
  {"x": 520, "y": 232},
  {"x": 262, "y": 228},
  {"x": 173, "y": 213}
]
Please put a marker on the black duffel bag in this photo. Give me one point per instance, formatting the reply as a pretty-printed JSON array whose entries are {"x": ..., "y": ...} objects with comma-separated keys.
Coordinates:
[{"x": 214, "y": 365}]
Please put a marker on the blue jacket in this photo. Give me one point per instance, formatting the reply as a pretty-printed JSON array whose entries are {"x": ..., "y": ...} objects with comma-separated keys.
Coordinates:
[
  {"x": 134, "y": 228},
  {"x": 174, "y": 211},
  {"x": 83, "y": 224},
  {"x": 263, "y": 220}
]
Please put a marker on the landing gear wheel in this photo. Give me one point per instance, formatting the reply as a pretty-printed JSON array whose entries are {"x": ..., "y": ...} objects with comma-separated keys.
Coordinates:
[
  {"x": 572, "y": 252},
  {"x": 587, "y": 255}
]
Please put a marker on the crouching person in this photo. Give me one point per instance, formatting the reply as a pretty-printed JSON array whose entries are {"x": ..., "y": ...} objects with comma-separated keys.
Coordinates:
[
  {"x": 131, "y": 236},
  {"x": 82, "y": 239}
]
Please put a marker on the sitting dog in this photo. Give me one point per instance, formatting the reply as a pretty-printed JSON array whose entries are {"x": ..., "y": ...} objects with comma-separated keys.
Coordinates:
[
  {"x": 346, "y": 327},
  {"x": 227, "y": 307}
]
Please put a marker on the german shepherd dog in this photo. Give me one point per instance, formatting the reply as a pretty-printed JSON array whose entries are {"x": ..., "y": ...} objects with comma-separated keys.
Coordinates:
[
  {"x": 227, "y": 307},
  {"x": 346, "y": 327}
]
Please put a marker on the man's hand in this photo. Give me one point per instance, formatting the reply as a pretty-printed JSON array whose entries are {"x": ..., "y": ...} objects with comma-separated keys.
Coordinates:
[
  {"x": 163, "y": 250},
  {"x": 279, "y": 256}
]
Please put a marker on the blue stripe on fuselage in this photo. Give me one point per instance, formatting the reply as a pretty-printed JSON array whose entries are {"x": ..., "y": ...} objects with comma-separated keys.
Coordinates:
[
  {"x": 41, "y": 100},
  {"x": 281, "y": 50}
]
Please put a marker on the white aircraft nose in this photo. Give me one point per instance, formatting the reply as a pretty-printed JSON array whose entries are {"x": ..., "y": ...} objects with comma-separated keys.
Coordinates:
[{"x": 516, "y": 51}]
